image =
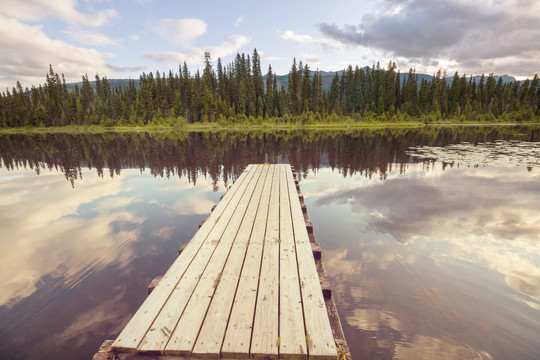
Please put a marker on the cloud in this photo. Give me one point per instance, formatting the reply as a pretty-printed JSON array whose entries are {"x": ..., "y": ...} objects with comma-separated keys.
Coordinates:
[
  {"x": 325, "y": 44},
  {"x": 265, "y": 56},
  {"x": 239, "y": 20},
  {"x": 312, "y": 58},
  {"x": 115, "y": 203},
  {"x": 179, "y": 31},
  {"x": 484, "y": 226},
  {"x": 164, "y": 233},
  {"x": 195, "y": 55},
  {"x": 36, "y": 10},
  {"x": 27, "y": 52},
  {"x": 193, "y": 205},
  {"x": 75, "y": 245},
  {"x": 428, "y": 347},
  {"x": 92, "y": 320},
  {"x": 130, "y": 69},
  {"x": 92, "y": 38},
  {"x": 478, "y": 36},
  {"x": 486, "y": 212}
]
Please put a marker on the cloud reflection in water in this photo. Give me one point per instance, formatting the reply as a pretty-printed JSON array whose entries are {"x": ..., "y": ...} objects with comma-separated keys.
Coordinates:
[
  {"x": 437, "y": 262},
  {"x": 75, "y": 262},
  {"x": 45, "y": 234}
]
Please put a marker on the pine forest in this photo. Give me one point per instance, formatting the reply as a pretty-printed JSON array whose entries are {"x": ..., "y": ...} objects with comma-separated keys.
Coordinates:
[{"x": 239, "y": 93}]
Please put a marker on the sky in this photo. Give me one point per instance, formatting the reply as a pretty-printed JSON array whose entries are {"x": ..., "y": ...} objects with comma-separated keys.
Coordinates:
[{"x": 124, "y": 38}]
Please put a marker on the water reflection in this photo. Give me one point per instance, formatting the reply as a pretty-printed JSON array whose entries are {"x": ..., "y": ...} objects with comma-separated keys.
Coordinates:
[
  {"x": 52, "y": 219},
  {"x": 427, "y": 260},
  {"x": 499, "y": 153},
  {"x": 74, "y": 263},
  {"x": 433, "y": 264},
  {"x": 222, "y": 155}
]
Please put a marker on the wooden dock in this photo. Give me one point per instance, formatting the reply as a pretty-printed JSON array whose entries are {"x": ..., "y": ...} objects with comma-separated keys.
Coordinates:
[{"x": 246, "y": 286}]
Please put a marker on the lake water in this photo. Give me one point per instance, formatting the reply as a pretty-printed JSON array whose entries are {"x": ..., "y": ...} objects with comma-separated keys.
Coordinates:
[{"x": 430, "y": 237}]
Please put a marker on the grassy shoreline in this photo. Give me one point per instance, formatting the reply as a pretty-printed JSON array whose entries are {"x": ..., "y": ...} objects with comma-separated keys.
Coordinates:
[
  {"x": 204, "y": 127},
  {"x": 239, "y": 127}
]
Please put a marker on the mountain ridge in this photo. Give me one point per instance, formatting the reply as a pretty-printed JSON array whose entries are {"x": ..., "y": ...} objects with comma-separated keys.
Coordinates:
[{"x": 326, "y": 78}]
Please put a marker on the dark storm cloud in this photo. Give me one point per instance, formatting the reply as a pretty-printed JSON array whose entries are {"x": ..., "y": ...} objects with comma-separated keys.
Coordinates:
[
  {"x": 424, "y": 30},
  {"x": 420, "y": 29}
]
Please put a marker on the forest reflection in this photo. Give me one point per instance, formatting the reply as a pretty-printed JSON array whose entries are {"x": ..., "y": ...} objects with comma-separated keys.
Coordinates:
[{"x": 223, "y": 155}]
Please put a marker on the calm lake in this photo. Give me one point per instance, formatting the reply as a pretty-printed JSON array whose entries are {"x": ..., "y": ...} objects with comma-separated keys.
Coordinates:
[{"x": 430, "y": 237}]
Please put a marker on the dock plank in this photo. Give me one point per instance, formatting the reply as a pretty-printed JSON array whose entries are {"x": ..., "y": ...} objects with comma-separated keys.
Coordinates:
[
  {"x": 165, "y": 323},
  {"x": 239, "y": 274},
  {"x": 292, "y": 344},
  {"x": 264, "y": 341},
  {"x": 245, "y": 286},
  {"x": 137, "y": 327},
  {"x": 233, "y": 243},
  {"x": 321, "y": 344}
]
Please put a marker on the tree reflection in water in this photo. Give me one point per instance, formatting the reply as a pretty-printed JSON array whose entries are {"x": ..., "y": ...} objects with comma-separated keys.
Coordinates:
[{"x": 225, "y": 154}]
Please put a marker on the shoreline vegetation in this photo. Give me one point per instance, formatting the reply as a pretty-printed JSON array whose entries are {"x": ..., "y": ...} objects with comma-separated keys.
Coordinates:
[
  {"x": 82, "y": 129},
  {"x": 237, "y": 95}
]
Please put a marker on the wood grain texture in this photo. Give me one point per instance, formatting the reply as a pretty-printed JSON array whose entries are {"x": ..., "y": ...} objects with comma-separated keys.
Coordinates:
[
  {"x": 132, "y": 334},
  {"x": 200, "y": 279},
  {"x": 212, "y": 332},
  {"x": 318, "y": 330},
  {"x": 292, "y": 337},
  {"x": 264, "y": 341},
  {"x": 245, "y": 286}
]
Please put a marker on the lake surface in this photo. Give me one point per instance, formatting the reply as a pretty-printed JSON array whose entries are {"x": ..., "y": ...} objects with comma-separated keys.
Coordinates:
[{"x": 430, "y": 237}]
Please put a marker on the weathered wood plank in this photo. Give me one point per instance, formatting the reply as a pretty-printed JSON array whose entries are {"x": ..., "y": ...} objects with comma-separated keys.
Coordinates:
[
  {"x": 246, "y": 285},
  {"x": 319, "y": 332},
  {"x": 240, "y": 226},
  {"x": 135, "y": 330},
  {"x": 230, "y": 251},
  {"x": 236, "y": 343},
  {"x": 292, "y": 336},
  {"x": 165, "y": 323},
  {"x": 264, "y": 341}
]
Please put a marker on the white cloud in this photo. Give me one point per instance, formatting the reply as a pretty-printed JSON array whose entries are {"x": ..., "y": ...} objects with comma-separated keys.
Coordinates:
[
  {"x": 302, "y": 39},
  {"x": 239, "y": 20},
  {"x": 193, "y": 205},
  {"x": 27, "y": 52},
  {"x": 115, "y": 203},
  {"x": 92, "y": 38},
  {"x": 312, "y": 59},
  {"x": 265, "y": 56},
  {"x": 195, "y": 55},
  {"x": 36, "y": 10},
  {"x": 164, "y": 233},
  {"x": 230, "y": 45},
  {"x": 179, "y": 31},
  {"x": 74, "y": 244},
  {"x": 429, "y": 347},
  {"x": 326, "y": 44}
]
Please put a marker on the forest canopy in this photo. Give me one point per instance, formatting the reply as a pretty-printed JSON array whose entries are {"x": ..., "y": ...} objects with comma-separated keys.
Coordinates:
[{"x": 238, "y": 92}]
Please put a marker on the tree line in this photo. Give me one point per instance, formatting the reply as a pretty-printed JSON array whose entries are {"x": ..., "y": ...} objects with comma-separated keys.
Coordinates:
[{"x": 238, "y": 92}]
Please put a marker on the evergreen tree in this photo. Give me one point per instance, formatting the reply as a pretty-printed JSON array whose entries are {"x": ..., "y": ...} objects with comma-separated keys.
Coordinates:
[{"x": 239, "y": 90}]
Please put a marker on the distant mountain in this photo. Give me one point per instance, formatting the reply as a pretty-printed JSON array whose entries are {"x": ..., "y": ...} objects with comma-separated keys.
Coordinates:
[
  {"x": 326, "y": 77},
  {"x": 505, "y": 78},
  {"x": 112, "y": 82}
]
